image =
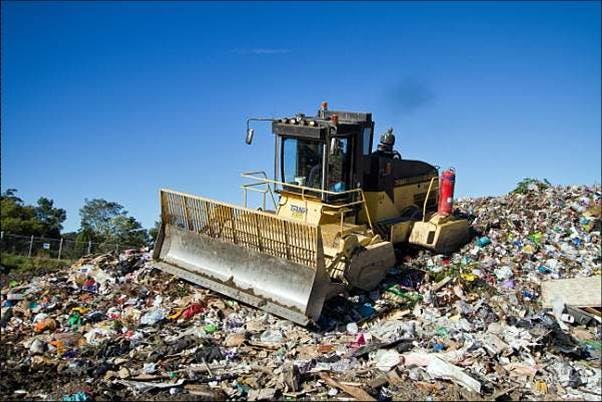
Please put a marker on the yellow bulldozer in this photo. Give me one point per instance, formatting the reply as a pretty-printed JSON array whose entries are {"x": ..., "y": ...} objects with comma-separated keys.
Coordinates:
[{"x": 339, "y": 211}]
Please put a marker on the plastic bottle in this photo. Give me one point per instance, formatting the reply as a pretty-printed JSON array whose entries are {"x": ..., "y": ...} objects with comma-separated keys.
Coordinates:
[
  {"x": 271, "y": 336},
  {"x": 483, "y": 241}
]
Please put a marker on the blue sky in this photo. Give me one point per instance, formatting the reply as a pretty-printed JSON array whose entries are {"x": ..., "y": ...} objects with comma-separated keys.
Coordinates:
[{"x": 116, "y": 100}]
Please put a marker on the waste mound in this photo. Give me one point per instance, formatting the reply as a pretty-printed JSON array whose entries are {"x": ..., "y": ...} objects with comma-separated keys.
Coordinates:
[{"x": 515, "y": 314}]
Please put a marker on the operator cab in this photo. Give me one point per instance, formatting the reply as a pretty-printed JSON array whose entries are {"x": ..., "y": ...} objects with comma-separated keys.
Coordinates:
[
  {"x": 323, "y": 152},
  {"x": 329, "y": 157}
]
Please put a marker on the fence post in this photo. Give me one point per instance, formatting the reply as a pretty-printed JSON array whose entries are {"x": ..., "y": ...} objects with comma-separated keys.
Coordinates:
[
  {"x": 117, "y": 249},
  {"x": 60, "y": 248},
  {"x": 2, "y": 235},
  {"x": 89, "y": 246},
  {"x": 30, "y": 246}
]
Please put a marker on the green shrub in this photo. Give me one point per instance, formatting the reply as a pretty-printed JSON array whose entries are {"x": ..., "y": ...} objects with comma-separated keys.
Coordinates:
[{"x": 523, "y": 186}]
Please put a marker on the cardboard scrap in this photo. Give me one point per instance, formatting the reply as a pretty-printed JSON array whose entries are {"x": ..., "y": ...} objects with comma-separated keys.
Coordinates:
[
  {"x": 578, "y": 292},
  {"x": 355, "y": 392}
]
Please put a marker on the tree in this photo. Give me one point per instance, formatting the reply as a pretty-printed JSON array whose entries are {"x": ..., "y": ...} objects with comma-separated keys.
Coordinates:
[
  {"x": 50, "y": 217},
  {"x": 71, "y": 236},
  {"x": 97, "y": 216},
  {"x": 108, "y": 222},
  {"x": 41, "y": 220},
  {"x": 10, "y": 194},
  {"x": 18, "y": 218},
  {"x": 128, "y": 230}
]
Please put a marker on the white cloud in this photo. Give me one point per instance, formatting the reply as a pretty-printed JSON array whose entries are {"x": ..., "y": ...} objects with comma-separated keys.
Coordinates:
[{"x": 262, "y": 51}]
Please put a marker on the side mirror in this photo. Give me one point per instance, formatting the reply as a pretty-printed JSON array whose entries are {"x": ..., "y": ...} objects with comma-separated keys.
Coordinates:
[{"x": 249, "y": 138}]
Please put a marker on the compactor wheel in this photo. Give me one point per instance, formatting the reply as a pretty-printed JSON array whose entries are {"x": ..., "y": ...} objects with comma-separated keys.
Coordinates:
[{"x": 369, "y": 265}]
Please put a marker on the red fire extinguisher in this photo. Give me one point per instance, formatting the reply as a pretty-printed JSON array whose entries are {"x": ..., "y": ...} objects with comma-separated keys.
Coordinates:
[{"x": 446, "y": 192}]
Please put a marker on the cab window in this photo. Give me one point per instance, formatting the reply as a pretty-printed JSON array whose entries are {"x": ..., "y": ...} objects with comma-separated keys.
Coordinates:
[
  {"x": 302, "y": 162},
  {"x": 339, "y": 160},
  {"x": 367, "y": 140}
]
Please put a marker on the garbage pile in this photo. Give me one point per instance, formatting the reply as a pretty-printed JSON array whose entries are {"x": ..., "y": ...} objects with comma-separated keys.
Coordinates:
[{"x": 472, "y": 325}]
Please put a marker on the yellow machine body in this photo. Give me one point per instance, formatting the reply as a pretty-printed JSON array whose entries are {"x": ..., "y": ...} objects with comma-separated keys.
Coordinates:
[{"x": 322, "y": 237}]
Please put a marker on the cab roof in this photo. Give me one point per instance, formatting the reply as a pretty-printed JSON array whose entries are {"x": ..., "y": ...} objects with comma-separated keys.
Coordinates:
[{"x": 323, "y": 125}]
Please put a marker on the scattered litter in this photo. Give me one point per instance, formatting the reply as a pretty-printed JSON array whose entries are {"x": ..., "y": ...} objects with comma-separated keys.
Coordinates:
[{"x": 514, "y": 314}]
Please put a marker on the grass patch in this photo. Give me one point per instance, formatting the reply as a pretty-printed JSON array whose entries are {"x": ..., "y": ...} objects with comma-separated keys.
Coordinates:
[{"x": 17, "y": 264}]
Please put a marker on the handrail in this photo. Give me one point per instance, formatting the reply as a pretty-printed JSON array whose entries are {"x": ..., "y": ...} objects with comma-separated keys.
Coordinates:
[
  {"x": 267, "y": 181},
  {"x": 367, "y": 211},
  {"x": 249, "y": 175},
  {"x": 247, "y": 186},
  {"x": 426, "y": 199}
]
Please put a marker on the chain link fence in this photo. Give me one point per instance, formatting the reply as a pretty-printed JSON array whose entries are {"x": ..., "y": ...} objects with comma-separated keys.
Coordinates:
[{"x": 59, "y": 249}]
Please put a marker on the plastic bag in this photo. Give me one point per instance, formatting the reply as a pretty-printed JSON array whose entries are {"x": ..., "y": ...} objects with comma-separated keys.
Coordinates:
[{"x": 153, "y": 316}]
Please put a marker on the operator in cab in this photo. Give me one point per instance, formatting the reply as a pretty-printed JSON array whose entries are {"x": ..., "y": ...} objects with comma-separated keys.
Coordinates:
[
  {"x": 337, "y": 162},
  {"x": 336, "y": 165}
]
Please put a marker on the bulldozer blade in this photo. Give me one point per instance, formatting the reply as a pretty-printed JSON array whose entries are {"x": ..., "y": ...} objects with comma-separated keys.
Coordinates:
[{"x": 251, "y": 256}]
